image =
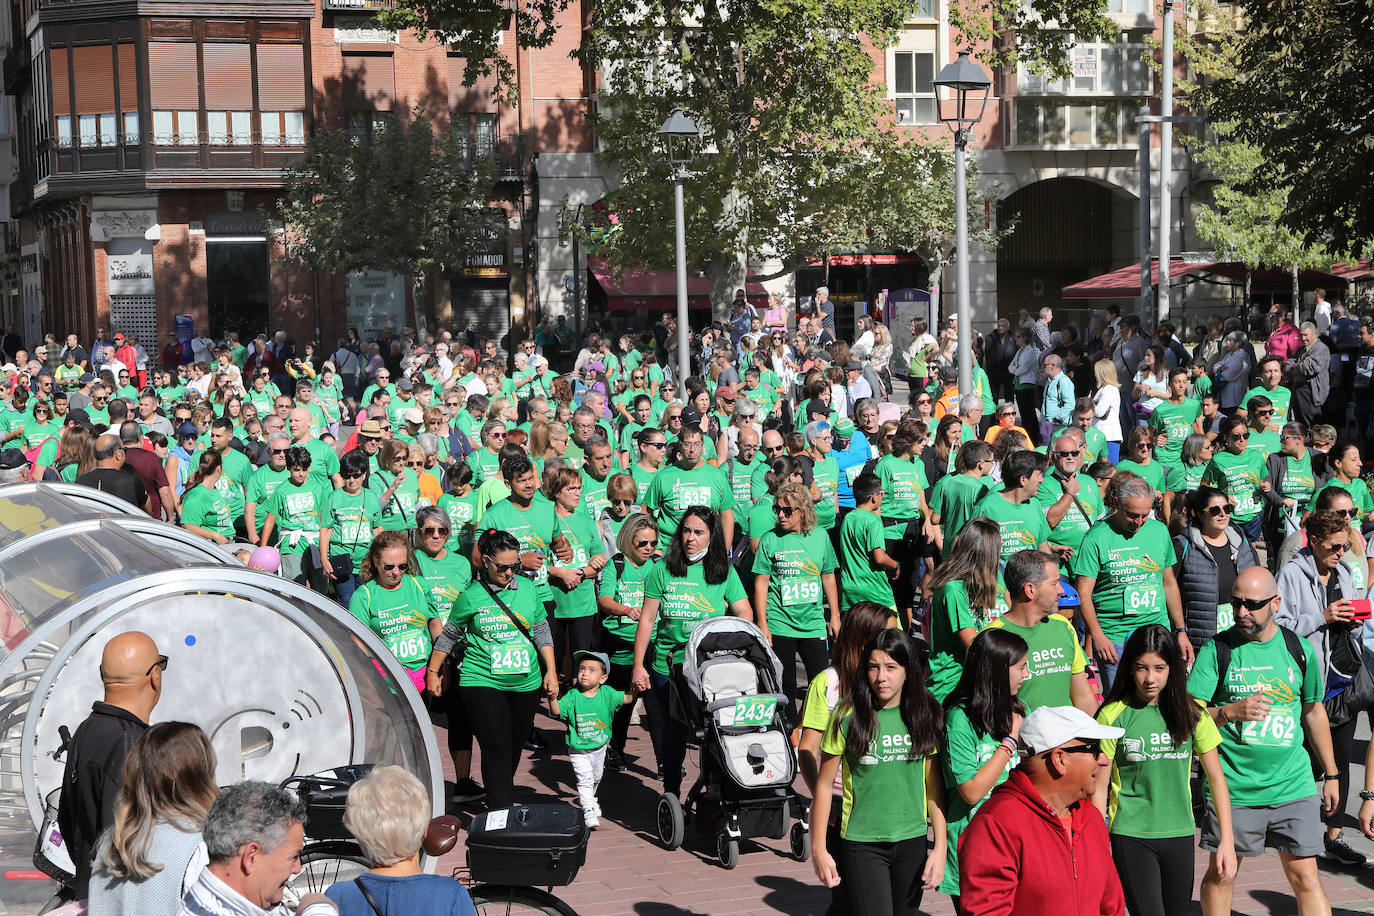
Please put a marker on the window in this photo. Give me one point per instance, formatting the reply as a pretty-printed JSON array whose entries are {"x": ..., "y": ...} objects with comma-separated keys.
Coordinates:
[
  {"x": 363, "y": 126},
  {"x": 925, "y": 9},
  {"x": 131, "y": 129},
  {"x": 1056, "y": 123},
  {"x": 1128, "y": 6},
  {"x": 64, "y": 132},
  {"x": 96, "y": 130},
  {"x": 283, "y": 128},
  {"x": 229, "y": 128},
  {"x": 176, "y": 128},
  {"x": 1098, "y": 69},
  {"x": 913, "y": 86}
]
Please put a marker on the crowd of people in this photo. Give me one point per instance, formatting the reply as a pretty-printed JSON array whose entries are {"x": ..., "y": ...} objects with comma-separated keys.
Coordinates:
[{"x": 1036, "y": 634}]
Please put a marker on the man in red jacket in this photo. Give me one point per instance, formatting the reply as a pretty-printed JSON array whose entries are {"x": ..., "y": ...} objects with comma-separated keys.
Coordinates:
[{"x": 1038, "y": 845}]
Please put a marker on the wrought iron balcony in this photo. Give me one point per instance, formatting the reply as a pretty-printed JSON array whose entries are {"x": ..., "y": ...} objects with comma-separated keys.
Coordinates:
[{"x": 358, "y": 5}]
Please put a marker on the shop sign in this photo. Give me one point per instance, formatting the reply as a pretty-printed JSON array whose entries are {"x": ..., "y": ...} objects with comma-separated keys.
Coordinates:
[
  {"x": 235, "y": 223},
  {"x": 486, "y": 266},
  {"x": 376, "y": 302},
  {"x": 129, "y": 266},
  {"x": 122, "y": 224}
]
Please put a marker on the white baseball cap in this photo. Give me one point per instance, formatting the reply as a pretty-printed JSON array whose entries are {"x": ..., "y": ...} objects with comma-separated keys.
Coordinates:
[{"x": 1050, "y": 726}]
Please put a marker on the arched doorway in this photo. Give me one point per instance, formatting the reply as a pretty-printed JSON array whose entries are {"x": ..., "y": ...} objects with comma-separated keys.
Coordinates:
[{"x": 1066, "y": 230}]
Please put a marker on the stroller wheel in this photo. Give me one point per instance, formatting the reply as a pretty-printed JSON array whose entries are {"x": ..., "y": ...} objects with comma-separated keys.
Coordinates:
[
  {"x": 801, "y": 842},
  {"x": 672, "y": 824},
  {"x": 727, "y": 850}
]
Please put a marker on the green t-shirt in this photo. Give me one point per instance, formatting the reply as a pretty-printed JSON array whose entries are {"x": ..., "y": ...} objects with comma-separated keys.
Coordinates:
[
  {"x": 950, "y": 612},
  {"x": 262, "y": 485},
  {"x": 953, "y": 500},
  {"x": 1094, "y": 444},
  {"x": 1202, "y": 386},
  {"x": 1266, "y": 442},
  {"x": 208, "y": 508},
  {"x": 1281, "y": 397},
  {"x": 594, "y": 496},
  {"x": 1023, "y": 525},
  {"x": 1265, "y": 762},
  {"x": 1153, "y": 473},
  {"x": 741, "y": 477},
  {"x": 589, "y": 718},
  {"x": 628, "y": 589},
  {"x": 1176, "y": 422},
  {"x": 1071, "y": 528},
  {"x": 324, "y": 461},
  {"x": 444, "y": 579},
  {"x": 462, "y": 516},
  {"x": 683, "y": 603},
  {"x": 1129, "y": 573},
  {"x": 826, "y": 474},
  {"x": 1298, "y": 479},
  {"x": 298, "y": 509},
  {"x": 643, "y": 477},
  {"x": 884, "y": 789},
  {"x": 350, "y": 520},
  {"x": 1184, "y": 479},
  {"x": 1054, "y": 657},
  {"x": 485, "y": 465},
  {"x": 399, "y": 616},
  {"x": 761, "y": 517},
  {"x": 48, "y": 435},
  {"x": 584, "y": 538},
  {"x": 1359, "y": 494},
  {"x": 535, "y": 529},
  {"x": 904, "y": 482},
  {"x": 1150, "y": 796},
  {"x": 674, "y": 490},
  {"x": 1238, "y": 476},
  {"x": 758, "y": 485},
  {"x": 399, "y": 513},
  {"x": 68, "y": 377},
  {"x": 794, "y": 564},
  {"x": 966, "y": 750},
  {"x": 861, "y": 533},
  {"x": 498, "y": 655}
]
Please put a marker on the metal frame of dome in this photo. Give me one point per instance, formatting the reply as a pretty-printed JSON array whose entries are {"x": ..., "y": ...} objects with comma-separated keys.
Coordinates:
[{"x": 81, "y": 495}]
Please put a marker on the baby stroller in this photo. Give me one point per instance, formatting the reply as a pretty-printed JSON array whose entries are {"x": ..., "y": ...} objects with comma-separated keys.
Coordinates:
[{"x": 729, "y": 694}]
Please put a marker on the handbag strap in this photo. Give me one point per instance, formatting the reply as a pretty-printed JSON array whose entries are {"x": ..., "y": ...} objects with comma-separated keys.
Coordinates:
[
  {"x": 367, "y": 895},
  {"x": 510, "y": 615}
]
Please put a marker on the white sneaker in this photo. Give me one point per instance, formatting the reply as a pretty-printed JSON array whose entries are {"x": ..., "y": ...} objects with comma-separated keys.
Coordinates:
[{"x": 592, "y": 821}]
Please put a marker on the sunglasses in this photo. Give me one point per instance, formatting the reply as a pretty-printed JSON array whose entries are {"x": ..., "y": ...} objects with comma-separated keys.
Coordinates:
[
  {"x": 160, "y": 663},
  {"x": 1346, "y": 513},
  {"x": 774, "y": 449},
  {"x": 1338, "y": 548},
  {"x": 1240, "y": 437},
  {"x": 354, "y": 475},
  {"x": 654, "y": 444},
  {"x": 1144, "y": 446},
  {"x": 784, "y": 511},
  {"x": 415, "y": 464},
  {"x": 1252, "y": 606},
  {"x": 622, "y": 502},
  {"x": 430, "y": 531},
  {"x": 1218, "y": 511},
  {"x": 504, "y": 567},
  {"x": 1090, "y": 746},
  {"x": 1067, "y": 453},
  {"x": 1264, "y": 413},
  {"x": 279, "y": 451},
  {"x": 923, "y": 400},
  {"x": 403, "y": 567},
  {"x": 496, "y": 435},
  {"x": 640, "y": 545}
]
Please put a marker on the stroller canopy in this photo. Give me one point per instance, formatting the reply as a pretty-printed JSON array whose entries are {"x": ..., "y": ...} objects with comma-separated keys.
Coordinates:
[{"x": 726, "y": 634}]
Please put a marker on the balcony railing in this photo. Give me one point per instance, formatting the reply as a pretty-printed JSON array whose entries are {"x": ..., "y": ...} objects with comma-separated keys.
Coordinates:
[
  {"x": 509, "y": 154},
  {"x": 17, "y": 67},
  {"x": 355, "y": 5}
]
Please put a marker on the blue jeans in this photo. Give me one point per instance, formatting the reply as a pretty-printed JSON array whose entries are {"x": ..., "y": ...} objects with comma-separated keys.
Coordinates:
[
  {"x": 1253, "y": 529},
  {"x": 1106, "y": 671},
  {"x": 344, "y": 588}
]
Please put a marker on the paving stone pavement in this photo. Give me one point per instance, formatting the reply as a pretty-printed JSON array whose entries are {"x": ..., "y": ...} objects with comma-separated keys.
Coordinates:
[{"x": 629, "y": 874}]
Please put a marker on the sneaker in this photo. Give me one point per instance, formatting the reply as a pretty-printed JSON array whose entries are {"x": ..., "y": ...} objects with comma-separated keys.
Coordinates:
[
  {"x": 467, "y": 790},
  {"x": 536, "y": 741},
  {"x": 1338, "y": 850},
  {"x": 592, "y": 822},
  {"x": 615, "y": 760}
]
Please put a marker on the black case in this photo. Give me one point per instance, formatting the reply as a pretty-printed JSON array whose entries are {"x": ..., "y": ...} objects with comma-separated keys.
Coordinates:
[
  {"x": 325, "y": 795},
  {"x": 536, "y": 845}
]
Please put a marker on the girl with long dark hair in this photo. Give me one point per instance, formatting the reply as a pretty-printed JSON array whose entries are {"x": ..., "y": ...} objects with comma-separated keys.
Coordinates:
[
  {"x": 982, "y": 723},
  {"x": 880, "y": 740},
  {"x": 1148, "y": 802},
  {"x": 695, "y": 582},
  {"x": 963, "y": 600}
]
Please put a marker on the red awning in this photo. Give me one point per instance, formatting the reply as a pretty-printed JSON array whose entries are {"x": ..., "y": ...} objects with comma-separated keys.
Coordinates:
[
  {"x": 1124, "y": 282},
  {"x": 1354, "y": 270},
  {"x": 641, "y": 288}
]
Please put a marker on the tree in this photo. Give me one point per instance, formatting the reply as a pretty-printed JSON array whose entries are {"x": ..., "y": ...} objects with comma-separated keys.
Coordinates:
[
  {"x": 409, "y": 200},
  {"x": 1297, "y": 86}
]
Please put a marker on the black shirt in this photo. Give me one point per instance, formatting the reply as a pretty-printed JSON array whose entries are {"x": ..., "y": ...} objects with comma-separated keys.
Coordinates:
[{"x": 122, "y": 482}]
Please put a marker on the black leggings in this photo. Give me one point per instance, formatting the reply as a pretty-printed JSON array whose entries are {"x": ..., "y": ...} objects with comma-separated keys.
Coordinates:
[
  {"x": 667, "y": 734},
  {"x": 1342, "y": 741},
  {"x": 839, "y": 896},
  {"x": 459, "y": 728},
  {"x": 884, "y": 878},
  {"x": 813, "y": 655},
  {"x": 621, "y": 679},
  {"x": 501, "y": 721},
  {"x": 572, "y": 634},
  {"x": 1027, "y": 401},
  {"x": 1156, "y": 874}
]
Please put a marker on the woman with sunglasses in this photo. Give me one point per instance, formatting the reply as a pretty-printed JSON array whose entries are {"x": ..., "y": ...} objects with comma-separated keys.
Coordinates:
[
  {"x": 485, "y": 462},
  {"x": 622, "y": 495},
  {"x": 394, "y": 604},
  {"x": 501, "y": 620},
  {"x": 880, "y": 741},
  {"x": 1211, "y": 553},
  {"x": 347, "y": 527},
  {"x": 1237, "y": 471},
  {"x": 1184, "y": 477},
  {"x": 1343, "y": 461},
  {"x": 620, "y": 603},
  {"x": 1334, "y": 499},
  {"x": 41, "y": 439},
  {"x": 262, "y": 392},
  {"x": 397, "y": 486},
  {"x": 1289, "y": 484},
  {"x": 796, "y": 600},
  {"x": 623, "y": 403},
  {"x": 423, "y": 461},
  {"x": 694, "y": 583},
  {"x": 1147, "y": 800},
  {"x": 573, "y": 580},
  {"x": 1140, "y": 459}
]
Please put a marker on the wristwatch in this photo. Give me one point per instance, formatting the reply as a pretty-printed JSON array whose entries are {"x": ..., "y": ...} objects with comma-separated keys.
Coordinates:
[{"x": 1366, "y": 795}]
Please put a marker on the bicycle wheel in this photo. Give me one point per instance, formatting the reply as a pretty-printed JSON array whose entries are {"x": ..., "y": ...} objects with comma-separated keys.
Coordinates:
[
  {"x": 508, "y": 900},
  {"x": 323, "y": 864}
]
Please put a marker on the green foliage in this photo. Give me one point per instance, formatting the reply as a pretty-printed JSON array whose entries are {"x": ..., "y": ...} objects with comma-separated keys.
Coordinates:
[{"x": 412, "y": 201}]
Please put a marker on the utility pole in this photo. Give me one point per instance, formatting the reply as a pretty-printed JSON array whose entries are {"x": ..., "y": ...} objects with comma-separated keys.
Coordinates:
[{"x": 1166, "y": 158}]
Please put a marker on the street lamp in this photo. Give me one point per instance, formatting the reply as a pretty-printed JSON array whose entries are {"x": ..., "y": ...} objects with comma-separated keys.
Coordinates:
[
  {"x": 681, "y": 140},
  {"x": 970, "y": 86}
]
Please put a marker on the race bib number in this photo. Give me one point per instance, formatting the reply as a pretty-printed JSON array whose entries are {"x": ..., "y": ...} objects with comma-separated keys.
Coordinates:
[
  {"x": 1142, "y": 601},
  {"x": 409, "y": 647},
  {"x": 1225, "y": 617},
  {"x": 805, "y": 591},
  {"x": 1249, "y": 504},
  {"x": 1278, "y": 729},
  {"x": 755, "y": 710},
  {"x": 511, "y": 659},
  {"x": 694, "y": 496}
]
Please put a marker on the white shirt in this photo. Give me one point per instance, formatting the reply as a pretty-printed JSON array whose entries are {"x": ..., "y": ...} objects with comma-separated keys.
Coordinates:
[
  {"x": 1107, "y": 406},
  {"x": 1323, "y": 317}
]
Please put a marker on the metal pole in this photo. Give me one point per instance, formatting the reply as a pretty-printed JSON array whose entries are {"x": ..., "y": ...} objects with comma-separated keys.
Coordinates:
[
  {"x": 1147, "y": 291},
  {"x": 684, "y": 353},
  {"x": 961, "y": 268},
  {"x": 1166, "y": 159}
]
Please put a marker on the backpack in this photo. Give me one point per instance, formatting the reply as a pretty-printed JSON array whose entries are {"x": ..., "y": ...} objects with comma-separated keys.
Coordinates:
[
  {"x": 32, "y": 456},
  {"x": 1224, "y": 645}
]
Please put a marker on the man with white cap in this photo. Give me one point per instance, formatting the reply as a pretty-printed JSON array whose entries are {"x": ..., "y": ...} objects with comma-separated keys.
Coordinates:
[{"x": 1038, "y": 845}]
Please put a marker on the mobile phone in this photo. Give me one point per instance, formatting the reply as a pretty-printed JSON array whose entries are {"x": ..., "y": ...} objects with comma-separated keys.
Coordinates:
[{"x": 1361, "y": 609}]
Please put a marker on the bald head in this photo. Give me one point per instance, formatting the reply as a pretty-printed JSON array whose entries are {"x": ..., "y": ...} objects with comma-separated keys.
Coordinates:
[
  {"x": 749, "y": 436},
  {"x": 298, "y": 421},
  {"x": 1260, "y": 600},
  {"x": 772, "y": 439},
  {"x": 127, "y": 658},
  {"x": 1255, "y": 584}
]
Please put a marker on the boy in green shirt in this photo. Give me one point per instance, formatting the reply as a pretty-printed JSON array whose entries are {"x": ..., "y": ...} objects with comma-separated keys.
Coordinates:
[
  {"x": 954, "y": 496},
  {"x": 865, "y": 566},
  {"x": 588, "y": 709},
  {"x": 1174, "y": 419}
]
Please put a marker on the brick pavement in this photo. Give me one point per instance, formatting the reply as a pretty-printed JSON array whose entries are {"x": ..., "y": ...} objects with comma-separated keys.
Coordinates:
[{"x": 629, "y": 874}]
